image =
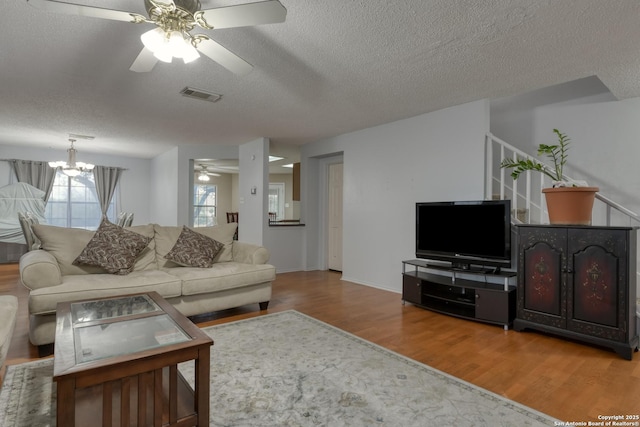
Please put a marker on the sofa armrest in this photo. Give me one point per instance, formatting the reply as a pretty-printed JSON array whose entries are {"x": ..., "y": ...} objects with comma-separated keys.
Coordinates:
[
  {"x": 249, "y": 253},
  {"x": 39, "y": 269}
]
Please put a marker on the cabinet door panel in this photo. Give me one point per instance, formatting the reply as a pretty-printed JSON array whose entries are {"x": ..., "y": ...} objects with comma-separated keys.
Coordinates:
[
  {"x": 543, "y": 290},
  {"x": 542, "y": 256},
  {"x": 411, "y": 289},
  {"x": 494, "y": 306},
  {"x": 597, "y": 288}
]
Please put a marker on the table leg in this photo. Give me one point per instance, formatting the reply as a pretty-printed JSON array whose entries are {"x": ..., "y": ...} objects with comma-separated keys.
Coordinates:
[
  {"x": 202, "y": 386},
  {"x": 66, "y": 403}
]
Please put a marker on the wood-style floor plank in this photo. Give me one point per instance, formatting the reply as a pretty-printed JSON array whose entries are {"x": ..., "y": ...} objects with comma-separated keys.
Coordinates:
[{"x": 567, "y": 380}]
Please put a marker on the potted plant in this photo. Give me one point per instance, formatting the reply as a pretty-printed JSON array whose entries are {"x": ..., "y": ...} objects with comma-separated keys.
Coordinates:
[{"x": 568, "y": 202}]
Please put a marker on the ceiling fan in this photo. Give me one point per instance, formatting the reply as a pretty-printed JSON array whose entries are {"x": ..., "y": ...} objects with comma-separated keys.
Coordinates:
[
  {"x": 204, "y": 174},
  {"x": 174, "y": 20}
]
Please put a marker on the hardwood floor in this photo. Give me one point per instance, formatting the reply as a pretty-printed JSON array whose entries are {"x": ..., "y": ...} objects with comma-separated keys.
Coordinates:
[{"x": 567, "y": 380}]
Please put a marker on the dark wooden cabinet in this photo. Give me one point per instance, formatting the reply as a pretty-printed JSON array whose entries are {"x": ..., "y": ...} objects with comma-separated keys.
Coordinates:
[
  {"x": 579, "y": 282},
  {"x": 450, "y": 294}
]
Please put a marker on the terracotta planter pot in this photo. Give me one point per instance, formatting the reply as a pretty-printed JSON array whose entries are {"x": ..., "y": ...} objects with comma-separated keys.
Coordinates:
[{"x": 570, "y": 205}]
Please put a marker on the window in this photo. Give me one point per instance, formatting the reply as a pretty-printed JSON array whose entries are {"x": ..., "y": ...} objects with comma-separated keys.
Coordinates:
[
  {"x": 74, "y": 203},
  {"x": 204, "y": 205},
  {"x": 276, "y": 199}
]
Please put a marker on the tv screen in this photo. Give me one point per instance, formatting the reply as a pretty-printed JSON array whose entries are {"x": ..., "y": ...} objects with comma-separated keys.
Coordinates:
[{"x": 465, "y": 233}]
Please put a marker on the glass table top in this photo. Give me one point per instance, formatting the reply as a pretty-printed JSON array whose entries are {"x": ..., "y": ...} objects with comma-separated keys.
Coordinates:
[
  {"x": 87, "y": 311},
  {"x": 97, "y": 342},
  {"x": 123, "y": 325}
]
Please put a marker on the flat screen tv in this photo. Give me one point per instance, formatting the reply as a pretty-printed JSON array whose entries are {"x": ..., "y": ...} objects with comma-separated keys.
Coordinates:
[{"x": 465, "y": 233}]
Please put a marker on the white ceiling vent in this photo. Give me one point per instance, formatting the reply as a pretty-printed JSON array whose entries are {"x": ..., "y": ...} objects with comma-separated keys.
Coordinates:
[{"x": 200, "y": 94}]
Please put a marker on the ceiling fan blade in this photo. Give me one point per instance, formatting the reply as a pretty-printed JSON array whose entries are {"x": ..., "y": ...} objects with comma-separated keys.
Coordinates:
[
  {"x": 144, "y": 62},
  {"x": 222, "y": 55},
  {"x": 164, "y": 5},
  {"x": 264, "y": 12},
  {"x": 90, "y": 11}
]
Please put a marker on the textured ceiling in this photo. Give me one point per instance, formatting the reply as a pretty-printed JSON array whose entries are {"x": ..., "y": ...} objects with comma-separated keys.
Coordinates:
[{"x": 333, "y": 66}]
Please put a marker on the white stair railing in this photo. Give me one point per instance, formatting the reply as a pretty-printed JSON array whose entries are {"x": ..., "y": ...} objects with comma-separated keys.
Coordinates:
[{"x": 527, "y": 201}]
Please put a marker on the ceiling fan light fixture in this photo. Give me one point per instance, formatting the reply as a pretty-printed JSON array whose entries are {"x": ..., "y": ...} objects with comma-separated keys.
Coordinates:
[
  {"x": 190, "y": 54},
  {"x": 203, "y": 177},
  {"x": 167, "y": 45},
  {"x": 175, "y": 18},
  {"x": 176, "y": 44},
  {"x": 163, "y": 56},
  {"x": 153, "y": 39}
]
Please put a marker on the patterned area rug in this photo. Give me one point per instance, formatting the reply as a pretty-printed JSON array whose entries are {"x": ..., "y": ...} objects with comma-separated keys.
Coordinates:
[{"x": 288, "y": 369}]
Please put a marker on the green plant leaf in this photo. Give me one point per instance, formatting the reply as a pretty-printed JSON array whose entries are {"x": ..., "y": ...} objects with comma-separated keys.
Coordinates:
[{"x": 557, "y": 153}]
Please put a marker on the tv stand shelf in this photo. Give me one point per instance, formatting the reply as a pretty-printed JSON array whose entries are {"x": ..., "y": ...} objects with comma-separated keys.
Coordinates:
[{"x": 481, "y": 299}]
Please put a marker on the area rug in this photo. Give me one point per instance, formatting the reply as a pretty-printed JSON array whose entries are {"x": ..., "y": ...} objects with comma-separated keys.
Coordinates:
[{"x": 288, "y": 369}]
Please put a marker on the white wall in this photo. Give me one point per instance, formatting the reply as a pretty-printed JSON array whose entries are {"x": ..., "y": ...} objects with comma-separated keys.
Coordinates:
[
  {"x": 254, "y": 174},
  {"x": 134, "y": 182},
  {"x": 285, "y": 244},
  {"x": 164, "y": 188},
  {"x": 387, "y": 169}
]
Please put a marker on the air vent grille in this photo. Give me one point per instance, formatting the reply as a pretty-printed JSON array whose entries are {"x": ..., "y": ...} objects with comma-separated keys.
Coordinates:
[{"x": 200, "y": 94}]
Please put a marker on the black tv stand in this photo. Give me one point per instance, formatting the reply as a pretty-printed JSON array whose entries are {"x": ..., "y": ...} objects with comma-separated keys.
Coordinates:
[{"x": 437, "y": 287}]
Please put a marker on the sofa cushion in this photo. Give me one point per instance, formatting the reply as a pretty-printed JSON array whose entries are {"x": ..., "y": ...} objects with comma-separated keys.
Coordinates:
[
  {"x": 194, "y": 249},
  {"x": 83, "y": 287},
  {"x": 166, "y": 237},
  {"x": 221, "y": 276},
  {"x": 113, "y": 248},
  {"x": 147, "y": 258},
  {"x": 65, "y": 244}
]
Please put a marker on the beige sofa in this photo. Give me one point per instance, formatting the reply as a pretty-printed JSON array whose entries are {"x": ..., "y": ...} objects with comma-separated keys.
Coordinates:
[{"x": 239, "y": 276}]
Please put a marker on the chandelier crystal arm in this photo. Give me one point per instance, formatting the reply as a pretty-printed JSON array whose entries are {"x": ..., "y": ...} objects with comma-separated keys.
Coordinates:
[{"x": 90, "y": 11}]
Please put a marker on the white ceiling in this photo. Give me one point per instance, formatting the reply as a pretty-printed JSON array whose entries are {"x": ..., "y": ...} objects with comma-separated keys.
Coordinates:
[{"x": 332, "y": 67}]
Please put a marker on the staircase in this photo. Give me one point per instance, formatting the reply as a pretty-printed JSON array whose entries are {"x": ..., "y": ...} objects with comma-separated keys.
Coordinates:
[{"x": 527, "y": 201}]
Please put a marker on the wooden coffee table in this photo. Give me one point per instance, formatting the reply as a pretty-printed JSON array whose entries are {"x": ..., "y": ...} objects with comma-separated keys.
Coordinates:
[{"x": 116, "y": 360}]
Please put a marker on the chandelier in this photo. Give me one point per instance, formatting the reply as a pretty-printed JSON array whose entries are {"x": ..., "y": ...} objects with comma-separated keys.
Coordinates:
[{"x": 71, "y": 167}]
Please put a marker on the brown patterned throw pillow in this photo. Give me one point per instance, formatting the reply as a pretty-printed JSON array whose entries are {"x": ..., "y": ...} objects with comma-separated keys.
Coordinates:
[
  {"x": 113, "y": 248},
  {"x": 194, "y": 249}
]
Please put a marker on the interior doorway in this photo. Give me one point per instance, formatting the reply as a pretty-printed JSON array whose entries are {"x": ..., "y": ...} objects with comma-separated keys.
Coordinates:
[
  {"x": 276, "y": 199},
  {"x": 334, "y": 223}
]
